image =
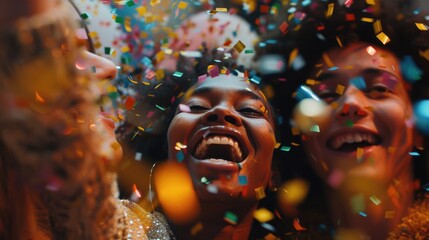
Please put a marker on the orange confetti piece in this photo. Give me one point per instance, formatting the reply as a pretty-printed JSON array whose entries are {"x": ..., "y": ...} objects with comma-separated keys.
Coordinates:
[
  {"x": 39, "y": 98},
  {"x": 297, "y": 225}
]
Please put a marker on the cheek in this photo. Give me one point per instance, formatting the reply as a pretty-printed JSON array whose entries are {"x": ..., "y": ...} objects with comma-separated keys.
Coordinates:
[
  {"x": 392, "y": 114},
  {"x": 180, "y": 128}
]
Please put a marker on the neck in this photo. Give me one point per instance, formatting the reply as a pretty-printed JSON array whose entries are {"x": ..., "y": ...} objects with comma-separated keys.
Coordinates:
[
  {"x": 371, "y": 207},
  {"x": 213, "y": 223}
]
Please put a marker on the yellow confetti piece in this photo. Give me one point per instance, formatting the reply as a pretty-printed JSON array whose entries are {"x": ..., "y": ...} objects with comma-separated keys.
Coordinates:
[
  {"x": 366, "y": 19},
  {"x": 125, "y": 49},
  {"x": 160, "y": 56},
  {"x": 92, "y": 34},
  {"x": 141, "y": 10},
  {"x": 179, "y": 146},
  {"x": 277, "y": 145},
  {"x": 263, "y": 215},
  {"x": 154, "y": 2},
  {"x": 340, "y": 89},
  {"x": 141, "y": 128},
  {"x": 182, "y": 5},
  {"x": 260, "y": 193},
  {"x": 160, "y": 74},
  {"x": 293, "y": 55},
  {"x": 339, "y": 41},
  {"x": 39, "y": 98},
  {"x": 359, "y": 153},
  {"x": 370, "y": 2},
  {"x": 239, "y": 46},
  {"x": 421, "y": 26},
  {"x": 311, "y": 82},
  {"x": 377, "y": 27},
  {"x": 327, "y": 60},
  {"x": 330, "y": 10},
  {"x": 127, "y": 24},
  {"x": 374, "y": 199},
  {"x": 111, "y": 89},
  {"x": 221, "y": 9}
]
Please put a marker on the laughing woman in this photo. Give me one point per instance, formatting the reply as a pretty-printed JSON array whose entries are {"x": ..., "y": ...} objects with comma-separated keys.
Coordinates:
[{"x": 228, "y": 128}]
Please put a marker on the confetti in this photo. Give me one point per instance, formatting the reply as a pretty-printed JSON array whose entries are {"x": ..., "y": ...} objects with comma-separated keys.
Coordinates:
[
  {"x": 180, "y": 156},
  {"x": 260, "y": 193},
  {"x": 239, "y": 46},
  {"x": 263, "y": 215},
  {"x": 138, "y": 156},
  {"x": 340, "y": 89},
  {"x": 383, "y": 38},
  {"x": 230, "y": 218},
  {"x": 196, "y": 229},
  {"x": 374, "y": 199},
  {"x": 285, "y": 148}
]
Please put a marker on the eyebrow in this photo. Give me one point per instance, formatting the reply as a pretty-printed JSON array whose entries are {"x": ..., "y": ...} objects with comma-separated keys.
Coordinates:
[
  {"x": 246, "y": 92},
  {"x": 329, "y": 75}
]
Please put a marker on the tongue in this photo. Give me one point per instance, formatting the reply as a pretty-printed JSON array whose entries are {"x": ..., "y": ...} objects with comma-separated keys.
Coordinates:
[{"x": 219, "y": 151}]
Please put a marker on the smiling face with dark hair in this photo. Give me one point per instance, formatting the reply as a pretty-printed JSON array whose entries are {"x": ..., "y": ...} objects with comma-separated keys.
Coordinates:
[
  {"x": 366, "y": 133},
  {"x": 228, "y": 130}
]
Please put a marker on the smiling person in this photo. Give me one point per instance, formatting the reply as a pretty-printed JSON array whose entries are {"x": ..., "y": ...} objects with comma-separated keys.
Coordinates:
[
  {"x": 228, "y": 127},
  {"x": 355, "y": 114}
]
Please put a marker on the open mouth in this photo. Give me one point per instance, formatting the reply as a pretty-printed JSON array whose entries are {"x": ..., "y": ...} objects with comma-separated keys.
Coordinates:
[
  {"x": 351, "y": 141},
  {"x": 220, "y": 147}
]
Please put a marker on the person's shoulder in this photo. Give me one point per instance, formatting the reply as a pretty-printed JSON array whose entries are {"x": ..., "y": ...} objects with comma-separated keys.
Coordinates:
[
  {"x": 416, "y": 224},
  {"x": 138, "y": 220}
]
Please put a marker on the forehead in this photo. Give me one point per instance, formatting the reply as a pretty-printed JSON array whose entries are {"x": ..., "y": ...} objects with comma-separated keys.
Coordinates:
[
  {"x": 228, "y": 83},
  {"x": 360, "y": 56}
]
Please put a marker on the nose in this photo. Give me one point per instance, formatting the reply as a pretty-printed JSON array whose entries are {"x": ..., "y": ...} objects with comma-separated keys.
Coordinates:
[
  {"x": 353, "y": 104},
  {"x": 222, "y": 115},
  {"x": 104, "y": 68}
]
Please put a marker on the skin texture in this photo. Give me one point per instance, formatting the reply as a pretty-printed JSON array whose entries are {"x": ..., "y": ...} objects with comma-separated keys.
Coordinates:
[
  {"x": 225, "y": 106},
  {"x": 380, "y": 111}
]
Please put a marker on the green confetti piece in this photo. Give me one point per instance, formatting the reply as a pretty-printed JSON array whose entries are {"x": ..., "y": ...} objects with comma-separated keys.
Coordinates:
[
  {"x": 107, "y": 50},
  {"x": 349, "y": 123},
  {"x": 84, "y": 16},
  {"x": 357, "y": 203},
  {"x": 375, "y": 200},
  {"x": 159, "y": 107},
  {"x": 315, "y": 128},
  {"x": 230, "y": 217},
  {"x": 285, "y": 148},
  {"x": 119, "y": 20},
  {"x": 178, "y": 74},
  {"x": 248, "y": 51},
  {"x": 130, "y": 3}
]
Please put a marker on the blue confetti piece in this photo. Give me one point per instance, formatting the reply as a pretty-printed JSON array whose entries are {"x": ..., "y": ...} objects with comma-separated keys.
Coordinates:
[
  {"x": 242, "y": 180},
  {"x": 410, "y": 70},
  {"x": 414, "y": 154},
  {"x": 358, "y": 82},
  {"x": 304, "y": 92},
  {"x": 180, "y": 156},
  {"x": 178, "y": 74},
  {"x": 332, "y": 68},
  {"x": 363, "y": 214},
  {"x": 255, "y": 79},
  {"x": 285, "y": 148}
]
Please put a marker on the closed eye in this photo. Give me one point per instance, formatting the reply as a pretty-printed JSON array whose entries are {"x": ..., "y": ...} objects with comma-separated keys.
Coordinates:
[
  {"x": 328, "y": 96},
  {"x": 198, "y": 108},
  {"x": 251, "y": 112}
]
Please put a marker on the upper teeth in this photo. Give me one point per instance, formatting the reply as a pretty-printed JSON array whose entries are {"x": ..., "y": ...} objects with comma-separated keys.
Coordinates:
[
  {"x": 223, "y": 140},
  {"x": 339, "y": 140}
]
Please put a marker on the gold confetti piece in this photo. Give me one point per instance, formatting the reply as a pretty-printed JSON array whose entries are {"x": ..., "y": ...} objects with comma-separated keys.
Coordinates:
[
  {"x": 330, "y": 10},
  {"x": 239, "y": 46},
  {"x": 221, "y": 9},
  {"x": 196, "y": 228},
  {"x": 370, "y": 2},
  {"x": 293, "y": 55},
  {"x": 421, "y": 26},
  {"x": 327, "y": 60},
  {"x": 125, "y": 49},
  {"x": 263, "y": 215},
  {"x": 339, "y": 41},
  {"x": 39, "y": 98},
  {"x": 311, "y": 82},
  {"x": 154, "y": 2},
  {"x": 389, "y": 214},
  {"x": 277, "y": 145},
  {"x": 160, "y": 74},
  {"x": 366, "y": 19},
  {"x": 340, "y": 89},
  {"x": 141, "y": 128},
  {"x": 425, "y": 54},
  {"x": 127, "y": 24},
  {"x": 141, "y": 10},
  {"x": 93, "y": 34},
  {"x": 260, "y": 193},
  {"x": 295, "y": 131},
  {"x": 377, "y": 27},
  {"x": 182, "y": 5},
  {"x": 359, "y": 153},
  {"x": 179, "y": 146}
]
